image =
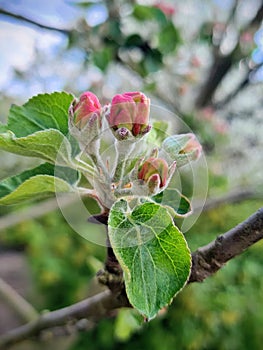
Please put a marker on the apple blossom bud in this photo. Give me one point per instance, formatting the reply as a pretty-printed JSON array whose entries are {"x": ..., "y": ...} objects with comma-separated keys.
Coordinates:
[
  {"x": 192, "y": 146},
  {"x": 85, "y": 121},
  {"x": 168, "y": 10},
  {"x": 87, "y": 106},
  {"x": 154, "y": 183},
  {"x": 122, "y": 134},
  {"x": 131, "y": 111},
  {"x": 154, "y": 171},
  {"x": 182, "y": 148}
]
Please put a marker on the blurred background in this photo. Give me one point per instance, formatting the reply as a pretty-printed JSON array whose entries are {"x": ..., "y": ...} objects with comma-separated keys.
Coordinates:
[{"x": 202, "y": 61}]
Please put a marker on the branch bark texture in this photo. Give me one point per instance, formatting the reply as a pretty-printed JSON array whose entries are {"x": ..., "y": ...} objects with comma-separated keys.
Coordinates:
[
  {"x": 210, "y": 258},
  {"x": 205, "y": 262},
  {"x": 99, "y": 306}
]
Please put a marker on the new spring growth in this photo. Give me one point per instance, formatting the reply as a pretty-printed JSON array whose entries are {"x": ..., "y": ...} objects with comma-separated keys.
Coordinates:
[
  {"x": 181, "y": 148},
  {"x": 85, "y": 119},
  {"x": 129, "y": 115},
  {"x": 192, "y": 146},
  {"x": 87, "y": 105},
  {"x": 154, "y": 172}
]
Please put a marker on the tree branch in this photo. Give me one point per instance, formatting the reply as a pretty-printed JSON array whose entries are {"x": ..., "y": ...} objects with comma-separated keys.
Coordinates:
[
  {"x": 94, "y": 308},
  {"x": 210, "y": 258},
  {"x": 30, "y": 21},
  {"x": 242, "y": 85},
  {"x": 17, "y": 302},
  {"x": 206, "y": 261},
  {"x": 235, "y": 196}
]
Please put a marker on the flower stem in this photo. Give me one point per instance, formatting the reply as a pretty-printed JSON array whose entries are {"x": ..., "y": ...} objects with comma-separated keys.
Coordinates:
[
  {"x": 123, "y": 151},
  {"x": 94, "y": 152}
]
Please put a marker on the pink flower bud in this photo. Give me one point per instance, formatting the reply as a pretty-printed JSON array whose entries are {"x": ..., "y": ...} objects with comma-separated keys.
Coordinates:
[
  {"x": 167, "y": 9},
  {"x": 182, "y": 148},
  {"x": 192, "y": 147},
  {"x": 87, "y": 105},
  {"x": 154, "y": 171},
  {"x": 131, "y": 111}
]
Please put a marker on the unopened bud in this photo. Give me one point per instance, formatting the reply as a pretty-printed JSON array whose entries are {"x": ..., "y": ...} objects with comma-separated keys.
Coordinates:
[
  {"x": 85, "y": 120},
  {"x": 87, "y": 106},
  {"x": 154, "y": 171},
  {"x": 182, "y": 148},
  {"x": 131, "y": 111}
]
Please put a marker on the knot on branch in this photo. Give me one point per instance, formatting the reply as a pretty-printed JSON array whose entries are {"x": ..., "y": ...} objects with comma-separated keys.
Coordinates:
[{"x": 203, "y": 267}]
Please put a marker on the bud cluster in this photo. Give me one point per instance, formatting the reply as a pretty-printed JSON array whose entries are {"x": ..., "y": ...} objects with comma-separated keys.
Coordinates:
[{"x": 135, "y": 170}]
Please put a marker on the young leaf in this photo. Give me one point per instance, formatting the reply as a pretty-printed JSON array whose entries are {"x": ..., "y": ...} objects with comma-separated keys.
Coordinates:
[
  {"x": 144, "y": 13},
  {"x": 169, "y": 38},
  {"x": 38, "y": 186},
  {"x": 173, "y": 199},
  {"x": 50, "y": 145},
  {"x": 45, "y": 111},
  {"x": 36, "y": 182},
  {"x": 152, "y": 252}
]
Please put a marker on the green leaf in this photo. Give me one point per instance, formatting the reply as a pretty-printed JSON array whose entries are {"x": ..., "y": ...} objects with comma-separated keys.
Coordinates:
[
  {"x": 84, "y": 4},
  {"x": 45, "y": 111},
  {"x": 144, "y": 13},
  {"x": 103, "y": 57},
  {"x": 134, "y": 40},
  {"x": 169, "y": 38},
  {"x": 158, "y": 132},
  {"x": 152, "y": 252},
  {"x": 36, "y": 187},
  {"x": 173, "y": 199},
  {"x": 35, "y": 183},
  {"x": 153, "y": 61},
  {"x": 50, "y": 145},
  {"x": 3, "y": 128}
]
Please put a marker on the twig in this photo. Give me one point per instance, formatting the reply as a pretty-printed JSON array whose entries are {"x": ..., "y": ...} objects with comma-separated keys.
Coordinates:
[
  {"x": 30, "y": 21},
  {"x": 235, "y": 196},
  {"x": 17, "y": 302},
  {"x": 210, "y": 258},
  {"x": 94, "y": 308},
  {"x": 243, "y": 84}
]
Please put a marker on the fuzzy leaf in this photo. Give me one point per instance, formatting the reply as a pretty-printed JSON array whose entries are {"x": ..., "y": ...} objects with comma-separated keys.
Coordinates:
[
  {"x": 50, "y": 145},
  {"x": 152, "y": 252},
  {"x": 45, "y": 111},
  {"x": 35, "y": 183}
]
